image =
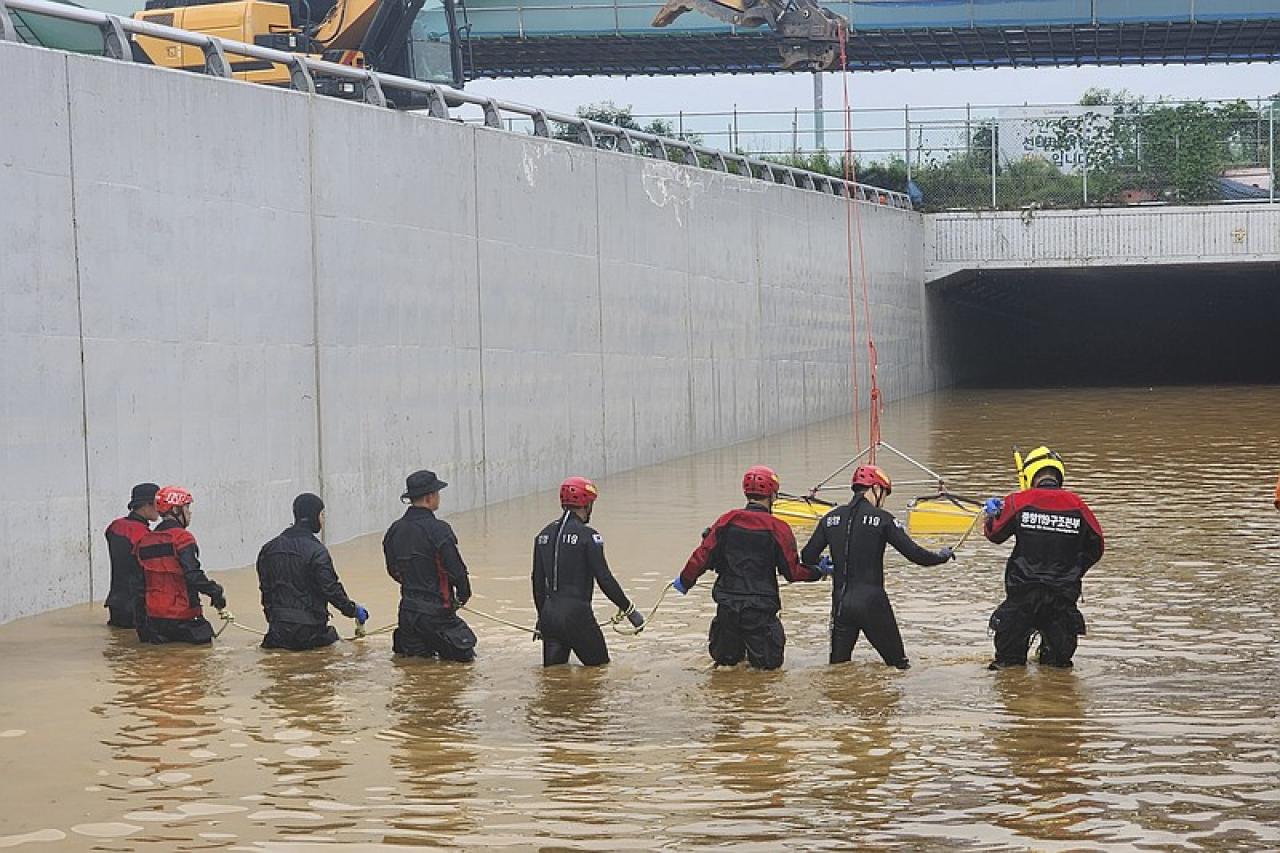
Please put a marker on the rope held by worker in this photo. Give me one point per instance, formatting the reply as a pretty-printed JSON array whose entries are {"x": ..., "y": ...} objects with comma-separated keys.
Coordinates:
[{"x": 634, "y": 629}]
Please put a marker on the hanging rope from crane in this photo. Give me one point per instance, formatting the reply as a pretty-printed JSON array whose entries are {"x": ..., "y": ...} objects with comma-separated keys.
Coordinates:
[
  {"x": 938, "y": 513},
  {"x": 853, "y": 234}
]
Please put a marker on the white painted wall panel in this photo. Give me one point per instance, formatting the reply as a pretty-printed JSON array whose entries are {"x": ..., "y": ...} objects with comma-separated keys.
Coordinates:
[
  {"x": 1110, "y": 237},
  {"x": 43, "y": 510}
]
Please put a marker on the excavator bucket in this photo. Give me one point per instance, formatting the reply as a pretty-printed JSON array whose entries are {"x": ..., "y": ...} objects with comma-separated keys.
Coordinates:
[
  {"x": 811, "y": 37},
  {"x": 809, "y": 33},
  {"x": 736, "y": 12}
]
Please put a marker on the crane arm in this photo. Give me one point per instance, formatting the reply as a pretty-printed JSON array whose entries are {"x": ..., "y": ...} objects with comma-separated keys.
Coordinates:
[
  {"x": 377, "y": 28},
  {"x": 809, "y": 32}
]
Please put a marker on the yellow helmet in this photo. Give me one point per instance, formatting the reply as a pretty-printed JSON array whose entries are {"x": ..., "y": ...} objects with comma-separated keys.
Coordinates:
[{"x": 1035, "y": 462}]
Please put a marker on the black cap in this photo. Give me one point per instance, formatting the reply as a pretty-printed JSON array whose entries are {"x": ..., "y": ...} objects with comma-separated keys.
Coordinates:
[
  {"x": 421, "y": 483},
  {"x": 143, "y": 494}
]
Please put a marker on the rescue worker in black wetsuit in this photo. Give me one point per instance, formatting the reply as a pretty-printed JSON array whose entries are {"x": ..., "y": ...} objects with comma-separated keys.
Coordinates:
[
  {"x": 856, "y": 535},
  {"x": 174, "y": 581},
  {"x": 126, "y": 575},
  {"x": 422, "y": 556},
  {"x": 298, "y": 583},
  {"x": 1058, "y": 541},
  {"x": 568, "y": 563},
  {"x": 748, "y": 548}
]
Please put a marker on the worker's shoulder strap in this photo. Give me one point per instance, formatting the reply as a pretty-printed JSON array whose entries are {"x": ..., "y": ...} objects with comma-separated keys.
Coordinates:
[
  {"x": 128, "y": 528},
  {"x": 163, "y": 543}
]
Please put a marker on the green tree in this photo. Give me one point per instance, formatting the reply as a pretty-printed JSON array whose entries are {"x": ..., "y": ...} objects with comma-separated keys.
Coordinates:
[{"x": 607, "y": 112}]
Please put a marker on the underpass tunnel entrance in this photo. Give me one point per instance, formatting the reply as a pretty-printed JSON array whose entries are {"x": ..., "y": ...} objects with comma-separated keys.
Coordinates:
[{"x": 1115, "y": 326}]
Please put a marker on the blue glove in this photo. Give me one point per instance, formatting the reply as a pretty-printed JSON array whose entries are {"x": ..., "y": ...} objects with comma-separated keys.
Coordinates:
[
  {"x": 678, "y": 585},
  {"x": 362, "y": 615},
  {"x": 825, "y": 566},
  {"x": 946, "y": 552},
  {"x": 993, "y": 506}
]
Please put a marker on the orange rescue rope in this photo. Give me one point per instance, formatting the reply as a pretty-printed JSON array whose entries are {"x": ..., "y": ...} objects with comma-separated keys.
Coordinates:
[{"x": 853, "y": 228}]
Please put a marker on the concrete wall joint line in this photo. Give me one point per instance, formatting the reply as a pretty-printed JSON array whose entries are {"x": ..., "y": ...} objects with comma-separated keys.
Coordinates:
[
  {"x": 604, "y": 408},
  {"x": 318, "y": 408},
  {"x": 84, "y": 385},
  {"x": 475, "y": 224}
]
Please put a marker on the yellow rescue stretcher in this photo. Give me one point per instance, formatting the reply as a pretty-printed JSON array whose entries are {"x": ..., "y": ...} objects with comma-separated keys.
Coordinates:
[
  {"x": 801, "y": 511},
  {"x": 942, "y": 514}
]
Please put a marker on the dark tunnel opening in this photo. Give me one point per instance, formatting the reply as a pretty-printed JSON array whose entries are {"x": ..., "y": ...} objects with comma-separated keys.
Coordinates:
[{"x": 1116, "y": 326}]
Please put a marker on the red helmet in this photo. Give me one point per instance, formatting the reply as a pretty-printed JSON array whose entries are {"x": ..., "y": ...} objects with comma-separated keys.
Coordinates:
[
  {"x": 760, "y": 481},
  {"x": 872, "y": 475},
  {"x": 171, "y": 497},
  {"x": 578, "y": 493}
]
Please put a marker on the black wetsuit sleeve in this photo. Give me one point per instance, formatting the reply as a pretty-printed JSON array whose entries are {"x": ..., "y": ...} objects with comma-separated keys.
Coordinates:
[
  {"x": 327, "y": 577},
  {"x": 599, "y": 567},
  {"x": 539, "y": 580},
  {"x": 907, "y": 547},
  {"x": 262, "y": 576},
  {"x": 456, "y": 569},
  {"x": 816, "y": 545},
  {"x": 189, "y": 559},
  {"x": 393, "y": 568},
  {"x": 1093, "y": 540}
]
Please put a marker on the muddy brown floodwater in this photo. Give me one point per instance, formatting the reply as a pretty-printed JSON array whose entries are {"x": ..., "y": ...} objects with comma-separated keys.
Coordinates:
[{"x": 1164, "y": 736}]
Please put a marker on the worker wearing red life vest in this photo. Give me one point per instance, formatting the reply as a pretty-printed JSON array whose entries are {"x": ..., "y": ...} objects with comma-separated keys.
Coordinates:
[
  {"x": 122, "y": 537},
  {"x": 1058, "y": 539},
  {"x": 747, "y": 549},
  {"x": 170, "y": 561}
]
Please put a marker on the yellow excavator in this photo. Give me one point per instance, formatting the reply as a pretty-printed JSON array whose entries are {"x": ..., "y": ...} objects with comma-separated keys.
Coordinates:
[
  {"x": 372, "y": 34},
  {"x": 810, "y": 33}
]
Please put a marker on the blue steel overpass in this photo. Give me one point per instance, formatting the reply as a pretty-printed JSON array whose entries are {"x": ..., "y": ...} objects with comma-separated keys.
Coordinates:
[{"x": 527, "y": 38}]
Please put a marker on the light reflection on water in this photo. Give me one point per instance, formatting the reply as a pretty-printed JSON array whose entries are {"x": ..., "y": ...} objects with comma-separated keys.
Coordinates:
[{"x": 1164, "y": 736}]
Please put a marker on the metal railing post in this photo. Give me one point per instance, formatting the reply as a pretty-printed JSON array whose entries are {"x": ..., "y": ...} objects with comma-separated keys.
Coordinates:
[
  {"x": 968, "y": 128},
  {"x": 8, "y": 32},
  {"x": 437, "y": 107},
  {"x": 906, "y": 125},
  {"x": 373, "y": 94},
  {"x": 115, "y": 42},
  {"x": 540, "y": 125},
  {"x": 819, "y": 119},
  {"x": 300, "y": 77},
  {"x": 492, "y": 118},
  {"x": 215, "y": 59},
  {"x": 994, "y": 129},
  {"x": 1084, "y": 165},
  {"x": 1271, "y": 150}
]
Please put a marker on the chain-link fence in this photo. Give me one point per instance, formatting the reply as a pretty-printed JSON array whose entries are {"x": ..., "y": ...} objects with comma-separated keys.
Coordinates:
[{"x": 1122, "y": 152}]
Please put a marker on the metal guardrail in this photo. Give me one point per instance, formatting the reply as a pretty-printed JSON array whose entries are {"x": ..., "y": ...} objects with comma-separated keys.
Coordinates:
[
  {"x": 1005, "y": 156},
  {"x": 372, "y": 87}
]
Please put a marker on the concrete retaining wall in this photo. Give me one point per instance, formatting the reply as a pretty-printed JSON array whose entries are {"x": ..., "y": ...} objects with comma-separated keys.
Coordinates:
[{"x": 253, "y": 293}]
